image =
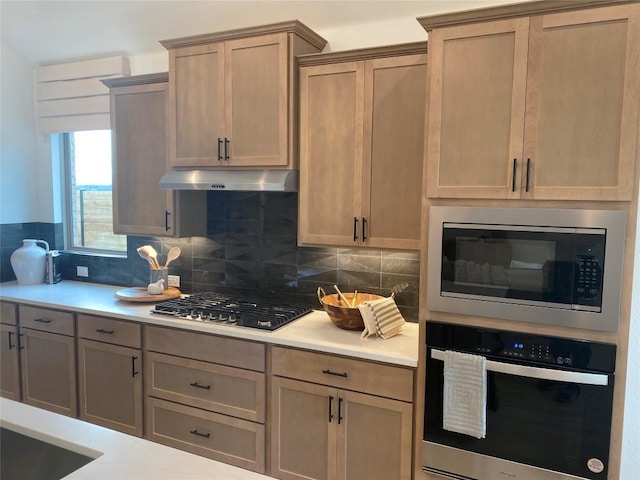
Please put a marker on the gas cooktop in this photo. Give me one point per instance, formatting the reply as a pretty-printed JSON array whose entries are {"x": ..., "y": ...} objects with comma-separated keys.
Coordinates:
[{"x": 229, "y": 310}]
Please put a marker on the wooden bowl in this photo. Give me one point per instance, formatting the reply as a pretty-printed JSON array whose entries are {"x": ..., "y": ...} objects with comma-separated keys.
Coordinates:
[{"x": 341, "y": 315}]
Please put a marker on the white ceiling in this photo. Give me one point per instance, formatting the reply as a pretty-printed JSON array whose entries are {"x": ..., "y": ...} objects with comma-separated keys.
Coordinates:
[{"x": 51, "y": 31}]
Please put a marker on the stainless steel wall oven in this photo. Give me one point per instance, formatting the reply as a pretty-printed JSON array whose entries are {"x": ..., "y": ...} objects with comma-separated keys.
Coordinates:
[
  {"x": 548, "y": 407},
  {"x": 553, "y": 266}
]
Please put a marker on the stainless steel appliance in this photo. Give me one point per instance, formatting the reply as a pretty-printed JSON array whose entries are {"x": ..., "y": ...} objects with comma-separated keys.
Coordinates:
[
  {"x": 548, "y": 407},
  {"x": 233, "y": 310},
  {"x": 552, "y": 266}
]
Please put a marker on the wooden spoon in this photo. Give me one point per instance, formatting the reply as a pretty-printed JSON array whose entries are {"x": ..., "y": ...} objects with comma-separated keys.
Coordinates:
[
  {"x": 153, "y": 255},
  {"x": 174, "y": 252},
  {"x": 342, "y": 297},
  {"x": 149, "y": 254}
]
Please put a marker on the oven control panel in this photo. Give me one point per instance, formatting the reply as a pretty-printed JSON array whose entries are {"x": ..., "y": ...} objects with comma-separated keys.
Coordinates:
[{"x": 522, "y": 347}]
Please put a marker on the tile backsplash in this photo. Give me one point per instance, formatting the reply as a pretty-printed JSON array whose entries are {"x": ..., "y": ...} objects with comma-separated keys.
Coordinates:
[{"x": 250, "y": 248}]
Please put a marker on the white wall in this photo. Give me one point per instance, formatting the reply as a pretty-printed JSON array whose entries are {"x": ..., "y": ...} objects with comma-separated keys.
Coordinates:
[
  {"x": 630, "y": 462},
  {"x": 20, "y": 180}
]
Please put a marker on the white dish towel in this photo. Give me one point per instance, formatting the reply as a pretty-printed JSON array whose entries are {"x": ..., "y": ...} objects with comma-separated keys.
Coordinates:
[{"x": 465, "y": 394}]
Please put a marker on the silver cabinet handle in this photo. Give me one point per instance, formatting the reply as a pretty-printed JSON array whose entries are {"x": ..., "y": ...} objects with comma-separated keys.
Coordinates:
[{"x": 538, "y": 372}]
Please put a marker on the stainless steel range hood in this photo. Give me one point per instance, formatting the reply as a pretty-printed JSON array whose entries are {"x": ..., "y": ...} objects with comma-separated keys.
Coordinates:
[{"x": 238, "y": 180}]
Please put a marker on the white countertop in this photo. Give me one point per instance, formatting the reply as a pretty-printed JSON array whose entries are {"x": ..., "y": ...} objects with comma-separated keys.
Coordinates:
[
  {"x": 117, "y": 455},
  {"x": 314, "y": 331}
]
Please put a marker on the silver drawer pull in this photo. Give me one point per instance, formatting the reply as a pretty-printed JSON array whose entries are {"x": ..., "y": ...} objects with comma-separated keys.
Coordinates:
[
  {"x": 196, "y": 432},
  {"x": 329, "y": 372},
  {"x": 197, "y": 385}
]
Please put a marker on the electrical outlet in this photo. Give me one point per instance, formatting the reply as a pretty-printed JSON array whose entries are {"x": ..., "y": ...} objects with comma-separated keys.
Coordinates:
[
  {"x": 174, "y": 280},
  {"x": 82, "y": 271}
]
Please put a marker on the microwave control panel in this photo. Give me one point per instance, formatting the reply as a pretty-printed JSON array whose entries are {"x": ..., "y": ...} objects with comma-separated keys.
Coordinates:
[{"x": 589, "y": 278}]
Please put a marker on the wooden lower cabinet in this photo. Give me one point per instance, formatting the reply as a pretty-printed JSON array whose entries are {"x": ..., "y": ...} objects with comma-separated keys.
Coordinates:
[
  {"x": 206, "y": 394},
  {"x": 303, "y": 439},
  {"x": 321, "y": 432},
  {"x": 48, "y": 370},
  {"x": 110, "y": 386},
  {"x": 9, "y": 362},
  {"x": 220, "y": 437}
]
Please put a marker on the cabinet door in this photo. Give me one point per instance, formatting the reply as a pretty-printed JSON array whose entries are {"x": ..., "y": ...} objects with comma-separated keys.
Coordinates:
[
  {"x": 110, "y": 386},
  {"x": 303, "y": 430},
  {"x": 374, "y": 437},
  {"x": 9, "y": 362},
  {"x": 394, "y": 115},
  {"x": 138, "y": 127},
  {"x": 477, "y": 80},
  {"x": 331, "y": 123},
  {"x": 582, "y": 104},
  {"x": 48, "y": 368},
  {"x": 196, "y": 105},
  {"x": 256, "y": 86}
]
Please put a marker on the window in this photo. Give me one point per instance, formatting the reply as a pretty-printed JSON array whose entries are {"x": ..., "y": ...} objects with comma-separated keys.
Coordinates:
[{"x": 89, "y": 225}]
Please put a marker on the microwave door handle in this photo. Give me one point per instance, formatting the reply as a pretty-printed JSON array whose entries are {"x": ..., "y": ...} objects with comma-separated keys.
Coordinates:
[{"x": 537, "y": 372}]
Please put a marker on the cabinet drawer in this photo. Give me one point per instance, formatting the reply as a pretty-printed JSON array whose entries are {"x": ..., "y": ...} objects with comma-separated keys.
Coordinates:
[
  {"x": 358, "y": 375},
  {"x": 228, "y": 390},
  {"x": 209, "y": 348},
  {"x": 8, "y": 313},
  {"x": 109, "y": 330},
  {"x": 53, "y": 321},
  {"x": 226, "y": 439}
]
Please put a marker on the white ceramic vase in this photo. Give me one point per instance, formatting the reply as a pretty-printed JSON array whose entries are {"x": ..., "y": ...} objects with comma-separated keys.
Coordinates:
[{"x": 29, "y": 262}]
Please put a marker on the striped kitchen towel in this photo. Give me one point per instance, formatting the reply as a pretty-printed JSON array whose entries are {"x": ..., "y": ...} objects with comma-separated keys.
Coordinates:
[
  {"x": 387, "y": 319},
  {"x": 465, "y": 394}
]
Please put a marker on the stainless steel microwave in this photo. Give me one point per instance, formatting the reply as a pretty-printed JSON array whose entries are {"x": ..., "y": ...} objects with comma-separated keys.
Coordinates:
[{"x": 551, "y": 266}]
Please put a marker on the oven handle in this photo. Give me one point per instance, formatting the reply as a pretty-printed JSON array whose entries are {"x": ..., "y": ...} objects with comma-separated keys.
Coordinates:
[{"x": 537, "y": 372}]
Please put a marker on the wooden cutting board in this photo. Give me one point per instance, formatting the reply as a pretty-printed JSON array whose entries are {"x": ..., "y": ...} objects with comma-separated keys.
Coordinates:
[{"x": 140, "y": 294}]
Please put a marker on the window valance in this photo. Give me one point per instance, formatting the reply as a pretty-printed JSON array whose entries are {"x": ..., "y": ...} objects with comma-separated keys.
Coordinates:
[{"x": 71, "y": 97}]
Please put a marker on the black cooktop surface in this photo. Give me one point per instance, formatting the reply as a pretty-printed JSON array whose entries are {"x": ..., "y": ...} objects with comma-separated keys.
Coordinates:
[{"x": 224, "y": 309}]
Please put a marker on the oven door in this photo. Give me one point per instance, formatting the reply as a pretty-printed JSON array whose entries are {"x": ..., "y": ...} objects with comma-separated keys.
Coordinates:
[{"x": 553, "y": 422}]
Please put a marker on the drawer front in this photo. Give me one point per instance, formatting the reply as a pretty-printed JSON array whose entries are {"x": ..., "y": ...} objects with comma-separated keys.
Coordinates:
[
  {"x": 8, "y": 313},
  {"x": 226, "y": 439},
  {"x": 110, "y": 331},
  {"x": 53, "y": 321},
  {"x": 209, "y": 348},
  {"x": 357, "y": 375},
  {"x": 227, "y": 390}
]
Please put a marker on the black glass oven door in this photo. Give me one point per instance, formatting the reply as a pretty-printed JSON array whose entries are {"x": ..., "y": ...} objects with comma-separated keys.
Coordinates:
[{"x": 558, "y": 425}]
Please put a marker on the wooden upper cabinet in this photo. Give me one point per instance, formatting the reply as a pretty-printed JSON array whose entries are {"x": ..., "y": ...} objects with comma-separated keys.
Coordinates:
[
  {"x": 583, "y": 92},
  {"x": 476, "y": 109},
  {"x": 361, "y": 147},
  {"x": 138, "y": 126},
  {"x": 538, "y": 107},
  {"x": 231, "y": 96},
  {"x": 394, "y": 118},
  {"x": 331, "y": 106},
  {"x": 256, "y": 111},
  {"x": 196, "y": 104}
]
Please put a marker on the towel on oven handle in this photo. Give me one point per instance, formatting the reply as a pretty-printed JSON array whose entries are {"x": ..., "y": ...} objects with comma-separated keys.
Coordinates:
[{"x": 465, "y": 394}]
